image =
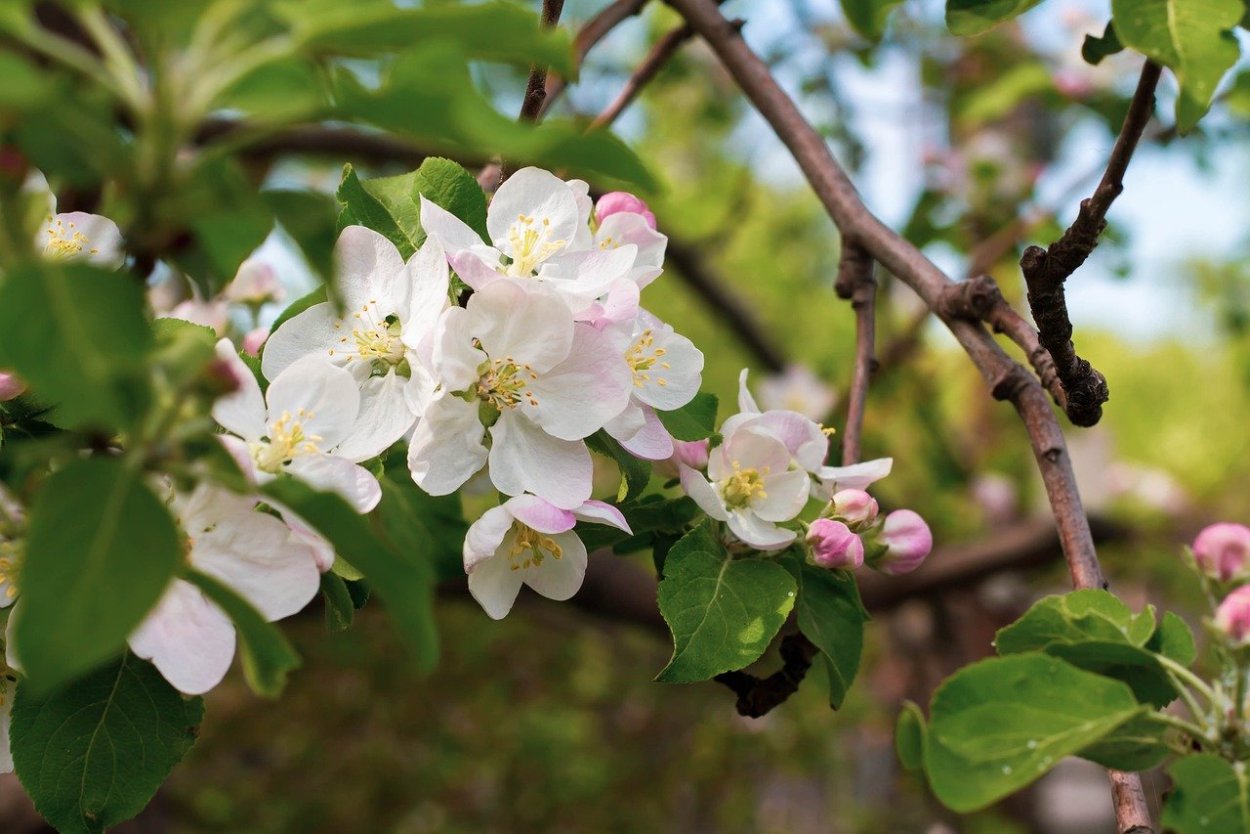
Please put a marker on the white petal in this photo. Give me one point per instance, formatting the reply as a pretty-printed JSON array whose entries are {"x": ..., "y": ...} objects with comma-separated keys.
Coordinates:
[
  {"x": 753, "y": 448},
  {"x": 475, "y": 271},
  {"x": 485, "y": 535},
  {"x": 758, "y": 533},
  {"x": 627, "y": 227},
  {"x": 455, "y": 360},
  {"x": 540, "y": 515},
  {"x": 603, "y": 513},
  {"x": 494, "y": 584},
  {"x": 368, "y": 268},
  {"x": 745, "y": 401},
  {"x": 429, "y": 279},
  {"x": 703, "y": 493},
  {"x": 524, "y": 458},
  {"x": 559, "y": 579},
  {"x": 351, "y": 482},
  {"x": 385, "y": 416},
  {"x": 242, "y": 411},
  {"x": 807, "y": 444},
  {"x": 316, "y": 330},
  {"x": 322, "y": 397},
  {"x": 669, "y": 388},
  {"x": 447, "y": 449},
  {"x": 101, "y": 243},
  {"x": 189, "y": 639},
  {"x": 786, "y": 496},
  {"x": 857, "y": 475},
  {"x": 578, "y": 396},
  {"x": 652, "y": 441},
  {"x": 523, "y": 322},
  {"x": 536, "y": 194},
  {"x": 453, "y": 233}
]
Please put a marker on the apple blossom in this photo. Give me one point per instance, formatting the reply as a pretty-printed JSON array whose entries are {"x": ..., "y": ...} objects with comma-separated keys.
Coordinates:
[
  {"x": 617, "y": 202},
  {"x": 751, "y": 486},
  {"x": 187, "y": 637},
  {"x": 691, "y": 453},
  {"x": 390, "y": 311},
  {"x": 297, "y": 427},
  {"x": 800, "y": 390},
  {"x": 834, "y": 545},
  {"x": 907, "y": 540},
  {"x": 1232, "y": 618},
  {"x": 11, "y": 386},
  {"x": 529, "y": 541},
  {"x": 539, "y": 233},
  {"x": 255, "y": 283},
  {"x": 1223, "y": 551},
  {"x": 79, "y": 236},
  {"x": 513, "y": 361},
  {"x": 854, "y": 506}
]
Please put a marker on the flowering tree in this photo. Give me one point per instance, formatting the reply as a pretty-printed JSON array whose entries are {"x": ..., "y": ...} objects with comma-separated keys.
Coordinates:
[{"x": 477, "y": 355}]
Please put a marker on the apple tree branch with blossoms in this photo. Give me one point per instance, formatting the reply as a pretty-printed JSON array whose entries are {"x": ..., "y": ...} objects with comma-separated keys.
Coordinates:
[{"x": 167, "y": 495}]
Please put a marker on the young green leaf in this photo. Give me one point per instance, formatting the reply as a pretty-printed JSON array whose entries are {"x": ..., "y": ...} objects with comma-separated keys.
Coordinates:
[
  {"x": 1073, "y": 618},
  {"x": 1209, "y": 795},
  {"x": 1174, "y": 640},
  {"x": 340, "y": 610},
  {"x": 998, "y": 725},
  {"x": 910, "y": 736},
  {"x": 696, "y": 420},
  {"x": 1135, "y": 745},
  {"x": 972, "y": 17},
  {"x": 635, "y": 472},
  {"x": 92, "y": 756},
  {"x": 102, "y": 549},
  {"x": 723, "y": 611},
  {"x": 267, "y": 655},
  {"x": 1097, "y": 47},
  {"x": 868, "y": 17}
]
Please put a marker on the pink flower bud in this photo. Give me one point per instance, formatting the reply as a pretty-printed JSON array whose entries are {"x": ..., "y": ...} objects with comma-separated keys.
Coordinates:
[
  {"x": 1233, "y": 616},
  {"x": 854, "y": 506},
  {"x": 1223, "y": 551},
  {"x": 252, "y": 341},
  {"x": 692, "y": 453},
  {"x": 907, "y": 540},
  {"x": 834, "y": 545},
  {"x": 615, "y": 202},
  {"x": 255, "y": 283},
  {"x": 11, "y": 387}
]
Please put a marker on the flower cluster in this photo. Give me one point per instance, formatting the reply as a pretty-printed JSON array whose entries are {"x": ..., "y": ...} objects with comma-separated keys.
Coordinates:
[{"x": 1221, "y": 553}]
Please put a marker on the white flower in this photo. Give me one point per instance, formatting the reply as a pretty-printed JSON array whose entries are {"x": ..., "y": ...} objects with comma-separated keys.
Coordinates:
[
  {"x": 79, "y": 236},
  {"x": 390, "y": 309},
  {"x": 514, "y": 360},
  {"x": 752, "y": 486},
  {"x": 798, "y": 389},
  {"x": 630, "y": 229},
  {"x": 187, "y": 637},
  {"x": 539, "y": 232},
  {"x": 255, "y": 283},
  {"x": 298, "y": 427},
  {"x": 528, "y": 541}
]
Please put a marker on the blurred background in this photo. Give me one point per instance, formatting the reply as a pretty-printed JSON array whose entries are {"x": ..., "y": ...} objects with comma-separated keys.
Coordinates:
[{"x": 549, "y": 721}]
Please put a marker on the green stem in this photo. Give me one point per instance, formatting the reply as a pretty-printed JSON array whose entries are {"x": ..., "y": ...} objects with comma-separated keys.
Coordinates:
[
  {"x": 1187, "y": 727},
  {"x": 117, "y": 58},
  {"x": 1188, "y": 697},
  {"x": 1189, "y": 678}
]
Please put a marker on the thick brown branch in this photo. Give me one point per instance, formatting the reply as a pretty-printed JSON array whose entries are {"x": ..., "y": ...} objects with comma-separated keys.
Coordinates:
[{"x": 1046, "y": 270}]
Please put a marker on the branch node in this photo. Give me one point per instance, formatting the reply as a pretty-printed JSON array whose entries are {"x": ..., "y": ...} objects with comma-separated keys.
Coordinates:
[{"x": 759, "y": 696}]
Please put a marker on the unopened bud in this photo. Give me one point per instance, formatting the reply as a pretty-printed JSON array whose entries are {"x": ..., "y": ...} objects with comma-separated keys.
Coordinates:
[
  {"x": 615, "y": 202},
  {"x": 834, "y": 545},
  {"x": 907, "y": 541},
  {"x": 11, "y": 387},
  {"x": 1232, "y": 618},
  {"x": 253, "y": 341},
  {"x": 854, "y": 506},
  {"x": 1223, "y": 551}
]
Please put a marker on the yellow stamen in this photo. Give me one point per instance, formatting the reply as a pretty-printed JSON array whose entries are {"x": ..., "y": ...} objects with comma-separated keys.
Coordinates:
[
  {"x": 286, "y": 441},
  {"x": 530, "y": 245},
  {"x": 504, "y": 383},
  {"x": 644, "y": 359},
  {"x": 530, "y": 548},
  {"x": 743, "y": 487}
]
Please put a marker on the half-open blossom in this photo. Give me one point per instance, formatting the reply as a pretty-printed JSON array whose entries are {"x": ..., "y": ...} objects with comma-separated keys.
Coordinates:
[
  {"x": 1223, "y": 551},
  {"x": 854, "y": 506},
  {"x": 751, "y": 486},
  {"x": 187, "y": 637},
  {"x": 389, "y": 312},
  {"x": 907, "y": 540},
  {"x": 691, "y": 453},
  {"x": 1232, "y": 618},
  {"x": 538, "y": 233},
  {"x": 297, "y": 427},
  {"x": 618, "y": 202},
  {"x": 528, "y": 541},
  {"x": 797, "y": 389},
  {"x": 255, "y": 283},
  {"x": 513, "y": 361},
  {"x": 11, "y": 386},
  {"x": 834, "y": 545}
]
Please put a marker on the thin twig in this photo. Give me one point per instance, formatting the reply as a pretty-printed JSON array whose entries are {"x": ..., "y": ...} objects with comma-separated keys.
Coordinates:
[
  {"x": 593, "y": 31},
  {"x": 856, "y": 283},
  {"x": 663, "y": 49},
  {"x": 536, "y": 86},
  {"x": 1006, "y": 379},
  {"x": 1046, "y": 270}
]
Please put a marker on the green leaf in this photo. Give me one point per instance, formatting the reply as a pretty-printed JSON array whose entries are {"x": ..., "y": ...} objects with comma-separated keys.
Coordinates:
[
  {"x": 723, "y": 611},
  {"x": 438, "y": 520},
  {"x": 999, "y": 724},
  {"x": 267, "y": 656},
  {"x": 93, "y": 755},
  {"x": 340, "y": 610},
  {"x": 1073, "y": 618},
  {"x": 1174, "y": 640},
  {"x": 309, "y": 218},
  {"x": 635, "y": 472},
  {"x": 832, "y": 616},
  {"x": 1190, "y": 37},
  {"x": 972, "y": 17},
  {"x": 360, "y": 207},
  {"x": 1135, "y": 745},
  {"x": 910, "y": 736},
  {"x": 78, "y": 335},
  {"x": 868, "y": 17},
  {"x": 1209, "y": 796},
  {"x": 696, "y": 420},
  {"x": 1139, "y": 668},
  {"x": 183, "y": 349},
  {"x": 398, "y": 574},
  {"x": 450, "y": 186},
  {"x": 1097, "y": 47},
  {"x": 101, "y": 551}
]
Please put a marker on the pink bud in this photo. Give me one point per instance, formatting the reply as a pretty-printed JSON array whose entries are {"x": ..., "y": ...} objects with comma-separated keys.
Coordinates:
[
  {"x": 11, "y": 387},
  {"x": 1233, "y": 616},
  {"x": 692, "y": 453},
  {"x": 854, "y": 506},
  {"x": 255, "y": 283},
  {"x": 252, "y": 341},
  {"x": 834, "y": 545},
  {"x": 1223, "y": 551},
  {"x": 908, "y": 541},
  {"x": 615, "y": 202}
]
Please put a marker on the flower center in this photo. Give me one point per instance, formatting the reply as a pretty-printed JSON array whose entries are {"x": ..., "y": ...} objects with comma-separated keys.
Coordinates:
[
  {"x": 743, "y": 486},
  {"x": 375, "y": 339},
  {"x": 531, "y": 547},
  {"x": 530, "y": 245},
  {"x": 65, "y": 241},
  {"x": 504, "y": 383},
  {"x": 286, "y": 441},
  {"x": 644, "y": 358},
  {"x": 10, "y": 562}
]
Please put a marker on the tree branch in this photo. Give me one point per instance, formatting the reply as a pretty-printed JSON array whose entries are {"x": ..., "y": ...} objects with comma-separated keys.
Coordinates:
[
  {"x": 1006, "y": 379},
  {"x": 1046, "y": 270},
  {"x": 593, "y": 31},
  {"x": 536, "y": 87},
  {"x": 661, "y": 51},
  {"x": 856, "y": 283}
]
